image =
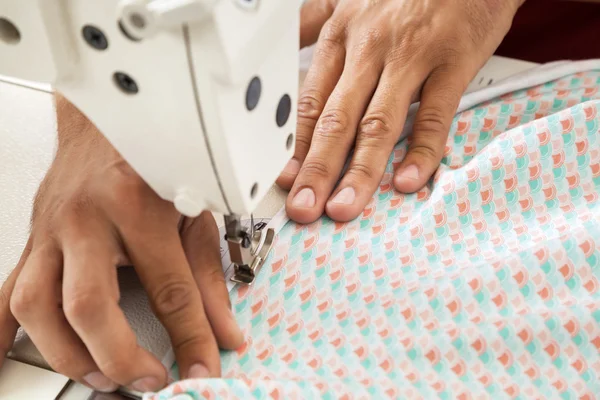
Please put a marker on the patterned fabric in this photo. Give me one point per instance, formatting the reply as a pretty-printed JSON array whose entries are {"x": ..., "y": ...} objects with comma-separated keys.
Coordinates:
[{"x": 484, "y": 284}]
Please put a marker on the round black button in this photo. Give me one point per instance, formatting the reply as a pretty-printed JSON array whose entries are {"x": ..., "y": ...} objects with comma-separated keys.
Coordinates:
[
  {"x": 95, "y": 37},
  {"x": 253, "y": 93},
  {"x": 125, "y": 83},
  {"x": 283, "y": 110},
  {"x": 9, "y": 33}
]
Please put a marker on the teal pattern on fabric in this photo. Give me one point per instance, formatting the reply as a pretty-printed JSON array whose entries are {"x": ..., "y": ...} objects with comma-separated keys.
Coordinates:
[{"x": 483, "y": 284}]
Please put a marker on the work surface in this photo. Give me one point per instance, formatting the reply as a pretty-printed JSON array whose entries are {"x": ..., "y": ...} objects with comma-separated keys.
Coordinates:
[{"x": 28, "y": 137}]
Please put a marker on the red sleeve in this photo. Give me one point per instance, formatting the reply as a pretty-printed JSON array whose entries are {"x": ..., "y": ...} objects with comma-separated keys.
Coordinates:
[{"x": 550, "y": 30}]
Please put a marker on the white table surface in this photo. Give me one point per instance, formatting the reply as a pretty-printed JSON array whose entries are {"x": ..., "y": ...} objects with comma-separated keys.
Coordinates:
[{"x": 27, "y": 141}]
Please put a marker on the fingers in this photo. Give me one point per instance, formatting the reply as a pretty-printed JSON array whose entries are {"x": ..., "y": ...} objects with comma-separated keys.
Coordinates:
[
  {"x": 313, "y": 15},
  {"x": 323, "y": 75},
  {"x": 8, "y": 323},
  {"x": 377, "y": 135},
  {"x": 91, "y": 305},
  {"x": 439, "y": 100},
  {"x": 36, "y": 304},
  {"x": 334, "y": 135},
  {"x": 165, "y": 273},
  {"x": 201, "y": 244}
]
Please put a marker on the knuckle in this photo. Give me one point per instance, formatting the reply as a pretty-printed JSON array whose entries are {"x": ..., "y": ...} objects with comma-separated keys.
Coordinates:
[
  {"x": 401, "y": 54},
  {"x": 82, "y": 304},
  {"x": 369, "y": 42},
  {"x": 316, "y": 168},
  {"x": 431, "y": 121},
  {"x": 410, "y": 43},
  {"x": 310, "y": 105},
  {"x": 333, "y": 124},
  {"x": 332, "y": 35},
  {"x": 130, "y": 195},
  {"x": 361, "y": 170},
  {"x": 172, "y": 297},
  {"x": 445, "y": 51},
  {"x": 122, "y": 169},
  {"x": 74, "y": 210},
  {"x": 373, "y": 36},
  {"x": 452, "y": 58},
  {"x": 24, "y": 298},
  {"x": 129, "y": 186},
  {"x": 425, "y": 152},
  {"x": 446, "y": 54},
  {"x": 375, "y": 127}
]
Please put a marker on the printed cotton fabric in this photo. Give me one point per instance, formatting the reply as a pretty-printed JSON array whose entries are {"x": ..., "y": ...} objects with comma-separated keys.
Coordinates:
[{"x": 483, "y": 285}]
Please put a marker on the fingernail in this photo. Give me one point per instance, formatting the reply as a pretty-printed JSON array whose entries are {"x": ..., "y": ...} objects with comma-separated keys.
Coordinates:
[
  {"x": 148, "y": 384},
  {"x": 411, "y": 172},
  {"x": 198, "y": 371},
  {"x": 100, "y": 382},
  {"x": 292, "y": 167},
  {"x": 345, "y": 196},
  {"x": 304, "y": 199}
]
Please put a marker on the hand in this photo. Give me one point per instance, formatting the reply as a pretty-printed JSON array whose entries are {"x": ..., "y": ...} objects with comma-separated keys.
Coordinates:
[
  {"x": 92, "y": 214},
  {"x": 374, "y": 58}
]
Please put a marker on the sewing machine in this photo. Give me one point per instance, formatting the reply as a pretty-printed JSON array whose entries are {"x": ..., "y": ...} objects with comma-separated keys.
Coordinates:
[{"x": 188, "y": 91}]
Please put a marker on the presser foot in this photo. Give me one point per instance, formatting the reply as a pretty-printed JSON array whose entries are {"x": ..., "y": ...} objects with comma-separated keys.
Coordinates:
[{"x": 248, "y": 247}]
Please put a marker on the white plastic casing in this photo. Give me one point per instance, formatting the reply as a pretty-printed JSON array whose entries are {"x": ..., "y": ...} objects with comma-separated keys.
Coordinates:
[{"x": 187, "y": 131}]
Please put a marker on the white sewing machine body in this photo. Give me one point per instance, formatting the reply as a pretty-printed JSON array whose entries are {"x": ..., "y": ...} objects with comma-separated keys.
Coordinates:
[{"x": 188, "y": 91}]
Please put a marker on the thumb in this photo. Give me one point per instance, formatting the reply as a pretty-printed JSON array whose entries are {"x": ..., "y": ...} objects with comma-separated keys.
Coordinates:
[
  {"x": 313, "y": 15},
  {"x": 200, "y": 239}
]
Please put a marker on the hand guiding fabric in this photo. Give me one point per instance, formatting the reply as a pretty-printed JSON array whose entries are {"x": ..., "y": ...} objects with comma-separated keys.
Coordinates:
[
  {"x": 92, "y": 214},
  {"x": 372, "y": 60}
]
